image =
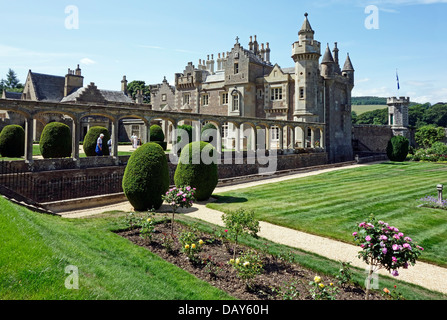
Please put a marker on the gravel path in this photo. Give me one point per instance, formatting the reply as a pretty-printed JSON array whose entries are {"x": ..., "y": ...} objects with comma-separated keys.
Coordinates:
[{"x": 422, "y": 274}]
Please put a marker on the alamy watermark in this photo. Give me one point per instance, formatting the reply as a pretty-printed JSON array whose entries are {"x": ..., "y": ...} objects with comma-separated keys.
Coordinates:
[
  {"x": 267, "y": 159},
  {"x": 72, "y": 18},
  {"x": 372, "y": 20},
  {"x": 72, "y": 281}
]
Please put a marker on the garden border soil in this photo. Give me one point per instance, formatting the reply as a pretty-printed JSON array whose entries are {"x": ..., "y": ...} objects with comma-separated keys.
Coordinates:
[{"x": 276, "y": 274}]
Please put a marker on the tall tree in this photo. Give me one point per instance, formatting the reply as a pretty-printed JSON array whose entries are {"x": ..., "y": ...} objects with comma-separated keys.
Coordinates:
[
  {"x": 12, "y": 83},
  {"x": 136, "y": 85}
]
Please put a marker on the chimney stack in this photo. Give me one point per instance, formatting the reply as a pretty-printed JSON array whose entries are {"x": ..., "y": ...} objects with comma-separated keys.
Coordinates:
[
  {"x": 124, "y": 85},
  {"x": 73, "y": 81}
]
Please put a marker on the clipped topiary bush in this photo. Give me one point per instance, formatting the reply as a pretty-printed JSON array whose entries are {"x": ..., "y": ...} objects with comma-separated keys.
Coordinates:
[
  {"x": 397, "y": 148},
  {"x": 146, "y": 177},
  {"x": 197, "y": 168},
  {"x": 206, "y": 133},
  {"x": 157, "y": 136},
  {"x": 90, "y": 139},
  {"x": 56, "y": 141},
  {"x": 12, "y": 141}
]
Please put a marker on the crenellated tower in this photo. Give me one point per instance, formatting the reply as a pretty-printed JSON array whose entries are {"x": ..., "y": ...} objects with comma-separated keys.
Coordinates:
[{"x": 306, "y": 55}]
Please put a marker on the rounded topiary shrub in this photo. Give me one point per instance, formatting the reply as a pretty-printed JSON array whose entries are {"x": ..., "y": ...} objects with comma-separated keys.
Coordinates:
[
  {"x": 197, "y": 168},
  {"x": 207, "y": 132},
  {"x": 157, "y": 136},
  {"x": 90, "y": 139},
  {"x": 56, "y": 141},
  {"x": 12, "y": 141},
  {"x": 146, "y": 177},
  {"x": 397, "y": 148}
]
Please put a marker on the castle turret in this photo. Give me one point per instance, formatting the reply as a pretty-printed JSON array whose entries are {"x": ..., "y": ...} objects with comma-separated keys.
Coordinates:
[
  {"x": 305, "y": 54},
  {"x": 348, "y": 70},
  {"x": 398, "y": 115},
  {"x": 327, "y": 64}
]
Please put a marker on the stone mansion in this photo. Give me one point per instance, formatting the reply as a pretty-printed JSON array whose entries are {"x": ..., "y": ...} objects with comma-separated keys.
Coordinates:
[
  {"x": 244, "y": 82},
  {"x": 241, "y": 82}
]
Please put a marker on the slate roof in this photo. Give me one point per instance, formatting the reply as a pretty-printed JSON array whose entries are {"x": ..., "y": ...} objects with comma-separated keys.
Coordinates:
[
  {"x": 48, "y": 87},
  {"x": 348, "y": 64},
  {"x": 327, "y": 58},
  {"x": 12, "y": 95},
  {"x": 115, "y": 96},
  {"x": 108, "y": 95}
]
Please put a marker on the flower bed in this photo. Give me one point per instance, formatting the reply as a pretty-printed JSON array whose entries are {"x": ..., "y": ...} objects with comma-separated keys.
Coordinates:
[{"x": 271, "y": 277}]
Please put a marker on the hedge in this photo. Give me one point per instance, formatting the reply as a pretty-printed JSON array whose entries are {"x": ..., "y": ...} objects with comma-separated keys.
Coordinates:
[
  {"x": 12, "y": 141},
  {"x": 196, "y": 171},
  {"x": 56, "y": 141},
  {"x": 146, "y": 177}
]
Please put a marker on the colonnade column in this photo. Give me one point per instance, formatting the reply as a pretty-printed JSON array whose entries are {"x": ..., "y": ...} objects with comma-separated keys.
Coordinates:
[
  {"x": 219, "y": 139},
  {"x": 303, "y": 138},
  {"x": 322, "y": 142},
  {"x": 29, "y": 129},
  {"x": 254, "y": 143},
  {"x": 76, "y": 132},
  {"x": 115, "y": 129},
  {"x": 312, "y": 137},
  {"x": 237, "y": 143},
  {"x": 281, "y": 138},
  {"x": 292, "y": 137}
]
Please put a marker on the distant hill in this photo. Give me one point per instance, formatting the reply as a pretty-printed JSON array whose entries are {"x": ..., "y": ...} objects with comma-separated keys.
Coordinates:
[{"x": 368, "y": 101}]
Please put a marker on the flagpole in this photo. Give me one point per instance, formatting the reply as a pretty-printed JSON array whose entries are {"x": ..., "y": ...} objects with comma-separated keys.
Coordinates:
[{"x": 398, "y": 85}]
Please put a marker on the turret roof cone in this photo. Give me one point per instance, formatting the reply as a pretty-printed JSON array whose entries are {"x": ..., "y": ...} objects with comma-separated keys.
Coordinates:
[
  {"x": 327, "y": 58},
  {"x": 348, "y": 64},
  {"x": 306, "y": 26}
]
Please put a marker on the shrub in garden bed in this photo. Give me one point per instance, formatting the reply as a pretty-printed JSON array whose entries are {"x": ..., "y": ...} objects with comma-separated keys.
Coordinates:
[
  {"x": 56, "y": 141},
  {"x": 255, "y": 274},
  {"x": 197, "y": 168},
  {"x": 12, "y": 141},
  {"x": 146, "y": 177},
  {"x": 397, "y": 148},
  {"x": 157, "y": 136}
]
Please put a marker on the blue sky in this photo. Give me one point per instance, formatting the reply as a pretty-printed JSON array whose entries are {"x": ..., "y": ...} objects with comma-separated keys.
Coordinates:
[{"x": 147, "y": 40}]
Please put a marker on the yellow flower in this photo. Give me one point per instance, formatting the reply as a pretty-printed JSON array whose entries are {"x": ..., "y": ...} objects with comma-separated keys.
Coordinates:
[
  {"x": 331, "y": 284},
  {"x": 237, "y": 260},
  {"x": 200, "y": 241},
  {"x": 187, "y": 246},
  {"x": 317, "y": 279},
  {"x": 148, "y": 219},
  {"x": 321, "y": 285},
  {"x": 246, "y": 263},
  {"x": 193, "y": 246},
  {"x": 231, "y": 261}
]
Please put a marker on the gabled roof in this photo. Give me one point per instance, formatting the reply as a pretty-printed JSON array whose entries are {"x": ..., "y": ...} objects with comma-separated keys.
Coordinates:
[
  {"x": 107, "y": 95},
  {"x": 47, "y": 87}
]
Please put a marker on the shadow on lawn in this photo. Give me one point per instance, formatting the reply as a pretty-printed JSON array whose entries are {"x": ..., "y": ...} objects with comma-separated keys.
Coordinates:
[{"x": 228, "y": 199}]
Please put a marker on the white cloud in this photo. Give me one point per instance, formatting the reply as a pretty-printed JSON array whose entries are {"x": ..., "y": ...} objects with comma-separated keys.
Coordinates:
[{"x": 87, "y": 61}]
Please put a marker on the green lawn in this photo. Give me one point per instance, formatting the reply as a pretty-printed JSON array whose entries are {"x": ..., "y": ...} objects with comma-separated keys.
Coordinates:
[
  {"x": 36, "y": 249},
  {"x": 359, "y": 109},
  {"x": 332, "y": 204}
]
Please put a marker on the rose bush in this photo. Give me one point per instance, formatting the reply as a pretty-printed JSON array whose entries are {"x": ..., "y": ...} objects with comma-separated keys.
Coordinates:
[{"x": 384, "y": 246}]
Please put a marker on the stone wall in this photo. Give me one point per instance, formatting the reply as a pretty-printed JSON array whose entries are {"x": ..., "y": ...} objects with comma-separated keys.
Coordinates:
[
  {"x": 371, "y": 138},
  {"x": 59, "y": 179}
]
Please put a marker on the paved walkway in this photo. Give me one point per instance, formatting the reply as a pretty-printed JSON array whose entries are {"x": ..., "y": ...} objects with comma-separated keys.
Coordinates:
[{"x": 422, "y": 274}]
